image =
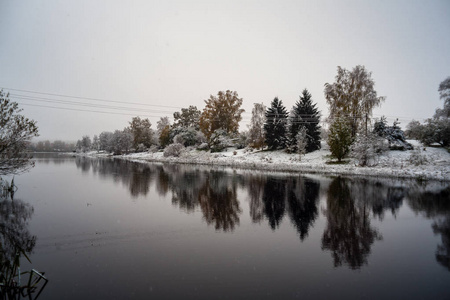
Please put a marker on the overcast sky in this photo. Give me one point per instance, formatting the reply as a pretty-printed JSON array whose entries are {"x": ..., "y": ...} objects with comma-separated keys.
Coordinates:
[{"x": 172, "y": 54}]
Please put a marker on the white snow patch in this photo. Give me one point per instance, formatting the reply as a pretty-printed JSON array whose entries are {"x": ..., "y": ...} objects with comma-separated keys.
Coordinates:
[{"x": 393, "y": 164}]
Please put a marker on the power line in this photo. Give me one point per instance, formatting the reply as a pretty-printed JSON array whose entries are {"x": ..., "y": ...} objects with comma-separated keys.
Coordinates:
[
  {"x": 86, "y": 110},
  {"x": 48, "y": 100},
  {"x": 123, "y": 108},
  {"x": 89, "y": 98}
]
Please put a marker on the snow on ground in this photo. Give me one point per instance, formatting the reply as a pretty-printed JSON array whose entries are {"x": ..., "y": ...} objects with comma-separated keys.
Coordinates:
[{"x": 393, "y": 164}]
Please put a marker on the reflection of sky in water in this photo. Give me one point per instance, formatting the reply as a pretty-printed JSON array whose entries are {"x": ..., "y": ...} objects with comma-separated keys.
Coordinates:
[{"x": 134, "y": 230}]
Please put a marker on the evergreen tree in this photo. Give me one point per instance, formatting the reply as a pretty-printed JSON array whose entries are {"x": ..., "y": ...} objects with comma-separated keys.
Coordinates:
[
  {"x": 340, "y": 138},
  {"x": 305, "y": 114},
  {"x": 275, "y": 126}
]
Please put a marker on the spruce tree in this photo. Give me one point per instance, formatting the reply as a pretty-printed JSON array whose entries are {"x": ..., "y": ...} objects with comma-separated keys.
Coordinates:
[
  {"x": 275, "y": 126},
  {"x": 340, "y": 138},
  {"x": 305, "y": 114}
]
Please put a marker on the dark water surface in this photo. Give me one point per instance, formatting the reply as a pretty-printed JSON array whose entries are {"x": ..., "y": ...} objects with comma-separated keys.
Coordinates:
[{"x": 112, "y": 229}]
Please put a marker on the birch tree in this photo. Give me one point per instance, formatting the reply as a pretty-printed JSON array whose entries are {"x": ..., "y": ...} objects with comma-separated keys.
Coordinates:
[
  {"x": 256, "y": 128},
  {"x": 352, "y": 96}
]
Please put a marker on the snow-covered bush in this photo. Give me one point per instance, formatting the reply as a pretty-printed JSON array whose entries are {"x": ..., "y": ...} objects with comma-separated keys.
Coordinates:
[
  {"x": 394, "y": 135},
  {"x": 436, "y": 131},
  {"x": 187, "y": 136},
  {"x": 153, "y": 149},
  {"x": 366, "y": 149},
  {"x": 302, "y": 141},
  {"x": 141, "y": 148},
  {"x": 242, "y": 140},
  {"x": 203, "y": 146},
  {"x": 174, "y": 150},
  {"x": 417, "y": 157},
  {"x": 219, "y": 141}
]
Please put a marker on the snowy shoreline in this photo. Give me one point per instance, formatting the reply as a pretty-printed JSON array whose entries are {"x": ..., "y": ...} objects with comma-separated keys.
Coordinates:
[{"x": 392, "y": 164}]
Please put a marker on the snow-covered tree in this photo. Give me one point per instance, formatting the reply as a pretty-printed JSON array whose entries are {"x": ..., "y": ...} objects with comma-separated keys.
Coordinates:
[
  {"x": 353, "y": 97},
  {"x": 221, "y": 112},
  {"x": 393, "y": 134},
  {"x": 436, "y": 129},
  {"x": 163, "y": 131},
  {"x": 84, "y": 144},
  {"x": 219, "y": 140},
  {"x": 302, "y": 141},
  {"x": 444, "y": 93},
  {"x": 106, "y": 141},
  {"x": 188, "y": 117},
  {"x": 188, "y": 136},
  {"x": 122, "y": 141},
  {"x": 340, "y": 138},
  {"x": 16, "y": 132},
  {"x": 256, "y": 127},
  {"x": 95, "y": 143},
  {"x": 275, "y": 126},
  {"x": 142, "y": 132},
  {"x": 305, "y": 114},
  {"x": 414, "y": 130}
]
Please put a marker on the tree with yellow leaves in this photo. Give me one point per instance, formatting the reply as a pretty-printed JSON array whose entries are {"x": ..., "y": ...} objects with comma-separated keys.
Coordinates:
[{"x": 221, "y": 112}]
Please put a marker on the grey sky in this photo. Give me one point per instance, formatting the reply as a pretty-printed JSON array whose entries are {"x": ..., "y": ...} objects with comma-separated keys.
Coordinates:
[{"x": 177, "y": 53}]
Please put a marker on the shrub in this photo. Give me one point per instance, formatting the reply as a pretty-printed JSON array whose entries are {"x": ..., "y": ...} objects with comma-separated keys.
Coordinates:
[
  {"x": 417, "y": 158},
  {"x": 174, "y": 150},
  {"x": 367, "y": 147}
]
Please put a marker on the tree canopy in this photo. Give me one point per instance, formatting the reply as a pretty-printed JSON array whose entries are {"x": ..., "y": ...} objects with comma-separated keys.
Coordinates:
[
  {"x": 188, "y": 117},
  {"x": 16, "y": 132},
  {"x": 352, "y": 96},
  {"x": 221, "y": 112},
  {"x": 141, "y": 131},
  {"x": 444, "y": 93}
]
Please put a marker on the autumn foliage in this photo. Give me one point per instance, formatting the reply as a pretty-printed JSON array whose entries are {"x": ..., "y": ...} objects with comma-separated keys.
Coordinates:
[{"x": 221, "y": 112}]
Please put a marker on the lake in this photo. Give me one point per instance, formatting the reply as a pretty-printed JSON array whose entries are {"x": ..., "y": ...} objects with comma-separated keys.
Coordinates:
[{"x": 115, "y": 229}]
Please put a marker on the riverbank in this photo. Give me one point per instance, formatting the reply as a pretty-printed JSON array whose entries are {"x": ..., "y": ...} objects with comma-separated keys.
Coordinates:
[{"x": 393, "y": 164}]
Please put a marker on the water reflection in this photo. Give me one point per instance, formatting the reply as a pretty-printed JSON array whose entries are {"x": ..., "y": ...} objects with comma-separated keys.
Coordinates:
[
  {"x": 351, "y": 203},
  {"x": 349, "y": 234},
  {"x": 435, "y": 205},
  {"x": 17, "y": 241},
  {"x": 303, "y": 195},
  {"x": 218, "y": 201}
]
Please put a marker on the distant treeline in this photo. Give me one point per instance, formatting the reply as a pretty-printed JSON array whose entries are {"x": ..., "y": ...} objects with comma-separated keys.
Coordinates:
[{"x": 55, "y": 146}]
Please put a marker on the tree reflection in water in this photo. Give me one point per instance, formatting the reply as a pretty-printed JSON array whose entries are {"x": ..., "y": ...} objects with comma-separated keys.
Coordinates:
[
  {"x": 348, "y": 235},
  {"x": 16, "y": 241},
  {"x": 303, "y": 194},
  {"x": 351, "y": 202},
  {"x": 218, "y": 201},
  {"x": 255, "y": 184},
  {"x": 435, "y": 205},
  {"x": 274, "y": 198}
]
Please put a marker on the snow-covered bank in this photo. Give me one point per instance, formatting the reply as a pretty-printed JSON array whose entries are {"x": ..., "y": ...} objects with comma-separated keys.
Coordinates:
[{"x": 393, "y": 164}]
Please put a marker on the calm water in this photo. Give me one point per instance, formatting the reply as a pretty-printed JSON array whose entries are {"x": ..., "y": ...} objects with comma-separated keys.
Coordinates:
[{"x": 111, "y": 229}]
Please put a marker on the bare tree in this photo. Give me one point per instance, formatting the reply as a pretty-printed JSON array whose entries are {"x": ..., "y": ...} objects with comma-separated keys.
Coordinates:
[{"x": 16, "y": 132}]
